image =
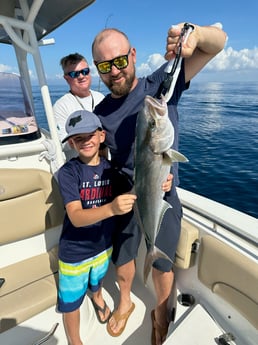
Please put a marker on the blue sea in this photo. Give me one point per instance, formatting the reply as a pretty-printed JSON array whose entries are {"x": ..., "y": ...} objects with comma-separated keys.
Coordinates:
[{"x": 219, "y": 136}]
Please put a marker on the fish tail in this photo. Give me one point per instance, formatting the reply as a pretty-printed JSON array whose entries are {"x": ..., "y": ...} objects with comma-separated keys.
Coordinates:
[
  {"x": 152, "y": 255},
  {"x": 147, "y": 267}
]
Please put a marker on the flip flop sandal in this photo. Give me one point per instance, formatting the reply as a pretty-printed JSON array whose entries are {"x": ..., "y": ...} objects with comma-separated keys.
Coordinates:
[
  {"x": 98, "y": 310},
  {"x": 156, "y": 327},
  {"x": 118, "y": 318}
]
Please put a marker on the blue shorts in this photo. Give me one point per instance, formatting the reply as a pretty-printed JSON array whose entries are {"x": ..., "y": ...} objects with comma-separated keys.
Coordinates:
[
  {"x": 75, "y": 278},
  {"x": 127, "y": 238}
]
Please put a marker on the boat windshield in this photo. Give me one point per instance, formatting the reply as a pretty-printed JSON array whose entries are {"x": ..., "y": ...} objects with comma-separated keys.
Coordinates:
[{"x": 17, "y": 120}]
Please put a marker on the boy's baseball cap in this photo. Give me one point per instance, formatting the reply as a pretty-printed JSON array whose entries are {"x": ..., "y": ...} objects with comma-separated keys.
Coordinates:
[{"x": 81, "y": 121}]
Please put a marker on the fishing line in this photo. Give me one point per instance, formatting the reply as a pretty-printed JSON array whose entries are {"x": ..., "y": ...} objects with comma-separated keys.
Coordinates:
[{"x": 173, "y": 67}]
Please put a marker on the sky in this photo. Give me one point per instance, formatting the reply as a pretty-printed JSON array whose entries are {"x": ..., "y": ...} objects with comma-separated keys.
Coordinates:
[{"x": 146, "y": 24}]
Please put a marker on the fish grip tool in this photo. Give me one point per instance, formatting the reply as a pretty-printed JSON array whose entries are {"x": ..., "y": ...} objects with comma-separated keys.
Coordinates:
[{"x": 173, "y": 67}]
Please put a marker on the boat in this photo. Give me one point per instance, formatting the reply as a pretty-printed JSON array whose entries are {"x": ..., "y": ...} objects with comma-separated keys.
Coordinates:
[{"x": 216, "y": 270}]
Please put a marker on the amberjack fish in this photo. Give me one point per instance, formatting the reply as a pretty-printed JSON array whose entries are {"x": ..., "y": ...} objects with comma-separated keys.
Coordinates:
[{"x": 153, "y": 159}]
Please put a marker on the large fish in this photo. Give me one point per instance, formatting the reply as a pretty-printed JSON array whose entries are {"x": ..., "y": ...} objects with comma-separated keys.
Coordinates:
[{"x": 153, "y": 160}]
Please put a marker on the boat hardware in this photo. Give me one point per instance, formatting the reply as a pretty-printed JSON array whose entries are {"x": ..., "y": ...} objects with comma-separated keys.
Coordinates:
[
  {"x": 47, "y": 336},
  {"x": 186, "y": 300},
  {"x": 2, "y": 280},
  {"x": 195, "y": 247},
  {"x": 225, "y": 339}
]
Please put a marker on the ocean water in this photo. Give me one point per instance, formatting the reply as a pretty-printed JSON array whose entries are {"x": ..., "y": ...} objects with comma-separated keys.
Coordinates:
[{"x": 219, "y": 136}]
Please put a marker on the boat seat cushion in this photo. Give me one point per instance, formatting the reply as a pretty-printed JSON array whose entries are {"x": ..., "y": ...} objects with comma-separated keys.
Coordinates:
[
  {"x": 30, "y": 203},
  {"x": 231, "y": 275},
  {"x": 184, "y": 254},
  {"x": 30, "y": 287},
  {"x": 31, "y": 211}
]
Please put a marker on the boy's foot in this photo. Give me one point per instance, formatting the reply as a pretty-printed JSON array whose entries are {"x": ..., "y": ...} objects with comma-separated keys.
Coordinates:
[{"x": 103, "y": 313}]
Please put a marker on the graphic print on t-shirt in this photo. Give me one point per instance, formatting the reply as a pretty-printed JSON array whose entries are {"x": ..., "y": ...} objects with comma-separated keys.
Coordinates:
[{"x": 96, "y": 192}]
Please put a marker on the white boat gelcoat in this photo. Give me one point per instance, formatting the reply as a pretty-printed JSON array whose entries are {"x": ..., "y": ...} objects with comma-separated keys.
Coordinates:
[{"x": 23, "y": 24}]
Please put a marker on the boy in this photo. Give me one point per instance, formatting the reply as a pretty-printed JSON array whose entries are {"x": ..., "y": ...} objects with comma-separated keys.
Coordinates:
[{"x": 91, "y": 191}]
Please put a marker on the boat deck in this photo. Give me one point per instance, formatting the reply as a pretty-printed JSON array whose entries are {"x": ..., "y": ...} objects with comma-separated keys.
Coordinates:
[
  {"x": 138, "y": 326},
  {"x": 193, "y": 324}
]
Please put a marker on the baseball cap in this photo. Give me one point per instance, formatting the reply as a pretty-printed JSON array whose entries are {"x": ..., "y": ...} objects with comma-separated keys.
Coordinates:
[{"x": 81, "y": 121}]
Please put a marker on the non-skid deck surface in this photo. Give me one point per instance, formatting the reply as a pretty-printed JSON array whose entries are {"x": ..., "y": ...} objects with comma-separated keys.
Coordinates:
[
  {"x": 137, "y": 332},
  {"x": 138, "y": 329}
]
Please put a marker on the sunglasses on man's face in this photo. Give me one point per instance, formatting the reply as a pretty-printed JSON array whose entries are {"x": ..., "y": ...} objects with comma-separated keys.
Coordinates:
[
  {"x": 76, "y": 74},
  {"x": 119, "y": 62}
]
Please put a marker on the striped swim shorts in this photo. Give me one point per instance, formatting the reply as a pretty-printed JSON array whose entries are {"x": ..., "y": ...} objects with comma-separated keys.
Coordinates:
[{"x": 76, "y": 278}]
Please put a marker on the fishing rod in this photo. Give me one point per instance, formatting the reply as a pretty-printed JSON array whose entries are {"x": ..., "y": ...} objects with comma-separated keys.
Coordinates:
[{"x": 173, "y": 67}]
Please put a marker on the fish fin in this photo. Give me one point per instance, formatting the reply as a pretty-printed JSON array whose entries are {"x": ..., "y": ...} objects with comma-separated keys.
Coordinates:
[
  {"x": 132, "y": 191},
  {"x": 152, "y": 255},
  {"x": 164, "y": 207},
  {"x": 147, "y": 266},
  {"x": 155, "y": 252},
  {"x": 174, "y": 156}
]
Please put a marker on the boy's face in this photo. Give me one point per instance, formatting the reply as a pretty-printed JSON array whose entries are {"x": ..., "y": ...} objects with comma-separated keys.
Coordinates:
[{"x": 87, "y": 144}]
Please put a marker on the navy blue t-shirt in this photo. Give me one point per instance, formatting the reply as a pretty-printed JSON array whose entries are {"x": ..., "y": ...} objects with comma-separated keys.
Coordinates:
[
  {"x": 94, "y": 186},
  {"x": 118, "y": 117}
]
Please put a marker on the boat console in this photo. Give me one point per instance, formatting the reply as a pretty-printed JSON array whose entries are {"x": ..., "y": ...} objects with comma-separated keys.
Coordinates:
[{"x": 17, "y": 120}]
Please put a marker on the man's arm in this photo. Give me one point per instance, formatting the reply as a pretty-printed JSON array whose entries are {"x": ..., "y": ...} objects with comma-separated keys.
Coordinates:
[{"x": 204, "y": 43}]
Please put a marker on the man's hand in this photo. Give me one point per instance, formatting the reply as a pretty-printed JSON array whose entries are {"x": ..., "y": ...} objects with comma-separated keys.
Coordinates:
[{"x": 166, "y": 186}]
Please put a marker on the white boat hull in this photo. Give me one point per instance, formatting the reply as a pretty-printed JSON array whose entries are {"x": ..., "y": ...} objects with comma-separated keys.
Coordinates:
[{"x": 216, "y": 266}]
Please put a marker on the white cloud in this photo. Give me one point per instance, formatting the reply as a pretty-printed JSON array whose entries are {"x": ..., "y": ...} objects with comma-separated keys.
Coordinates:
[
  {"x": 10, "y": 69},
  {"x": 229, "y": 64},
  {"x": 154, "y": 61},
  {"x": 229, "y": 60},
  {"x": 5, "y": 68},
  {"x": 59, "y": 76}
]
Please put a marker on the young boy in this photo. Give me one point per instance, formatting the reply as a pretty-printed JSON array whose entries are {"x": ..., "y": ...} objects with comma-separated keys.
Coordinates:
[{"x": 92, "y": 193}]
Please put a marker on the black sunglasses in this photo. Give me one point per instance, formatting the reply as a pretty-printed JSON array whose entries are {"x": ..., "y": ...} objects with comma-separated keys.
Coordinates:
[
  {"x": 76, "y": 74},
  {"x": 119, "y": 62}
]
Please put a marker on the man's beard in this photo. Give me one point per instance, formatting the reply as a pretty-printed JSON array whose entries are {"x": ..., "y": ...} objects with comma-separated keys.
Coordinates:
[{"x": 121, "y": 90}]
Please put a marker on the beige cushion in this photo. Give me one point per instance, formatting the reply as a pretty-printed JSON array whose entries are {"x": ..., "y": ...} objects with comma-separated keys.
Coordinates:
[
  {"x": 189, "y": 235},
  {"x": 30, "y": 287},
  {"x": 231, "y": 275},
  {"x": 30, "y": 203}
]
